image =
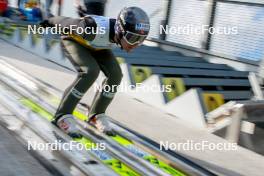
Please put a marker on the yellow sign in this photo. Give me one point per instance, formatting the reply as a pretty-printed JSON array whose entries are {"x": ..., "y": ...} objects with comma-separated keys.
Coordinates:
[
  {"x": 213, "y": 101},
  {"x": 174, "y": 87},
  {"x": 140, "y": 74}
]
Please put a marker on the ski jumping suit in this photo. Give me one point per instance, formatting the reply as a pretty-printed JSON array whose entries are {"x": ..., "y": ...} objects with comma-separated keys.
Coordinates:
[{"x": 89, "y": 53}]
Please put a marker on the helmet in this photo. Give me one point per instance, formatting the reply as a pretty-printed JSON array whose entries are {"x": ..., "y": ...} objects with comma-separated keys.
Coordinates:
[
  {"x": 30, "y": 9},
  {"x": 3, "y": 6},
  {"x": 23, "y": 4},
  {"x": 133, "y": 25}
]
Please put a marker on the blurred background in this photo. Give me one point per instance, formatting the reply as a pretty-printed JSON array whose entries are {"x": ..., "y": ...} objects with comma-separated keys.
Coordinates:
[{"x": 217, "y": 79}]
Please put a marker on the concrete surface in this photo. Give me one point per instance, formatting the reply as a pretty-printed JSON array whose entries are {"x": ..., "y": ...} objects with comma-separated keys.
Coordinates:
[{"x": 145, "y": 119}]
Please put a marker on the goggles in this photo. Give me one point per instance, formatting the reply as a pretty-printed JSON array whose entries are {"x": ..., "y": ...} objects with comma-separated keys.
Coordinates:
[{"x": 133, "y": 38}]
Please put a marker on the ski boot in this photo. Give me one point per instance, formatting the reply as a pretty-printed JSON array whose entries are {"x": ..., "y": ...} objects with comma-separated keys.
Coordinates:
[
  {"x": 68, "y": 125},
  {"x": 101, "y": 123}
]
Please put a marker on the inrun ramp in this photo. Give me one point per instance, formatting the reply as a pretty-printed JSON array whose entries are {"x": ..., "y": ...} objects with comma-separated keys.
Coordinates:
[{"x": 28, "y": 101}]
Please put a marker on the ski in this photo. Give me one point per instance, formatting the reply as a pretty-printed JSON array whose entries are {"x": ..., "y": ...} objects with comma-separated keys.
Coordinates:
[{"x": 119, "y": 167}]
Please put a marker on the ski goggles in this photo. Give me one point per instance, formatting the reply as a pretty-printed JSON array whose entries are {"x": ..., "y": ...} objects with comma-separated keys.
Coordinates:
[{"x": 133, "y": 38}]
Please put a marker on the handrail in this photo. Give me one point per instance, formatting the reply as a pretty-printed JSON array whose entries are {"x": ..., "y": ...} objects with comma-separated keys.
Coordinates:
[{"x": 205, "y": 52}]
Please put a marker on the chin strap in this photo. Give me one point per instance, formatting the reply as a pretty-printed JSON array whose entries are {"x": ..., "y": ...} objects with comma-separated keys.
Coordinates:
[
  {"x": 121, "y": 47},
  {"x": 119, "y": 35},
  {"x": 119, "y": 43},
  {"x": 118, "y": 40}
]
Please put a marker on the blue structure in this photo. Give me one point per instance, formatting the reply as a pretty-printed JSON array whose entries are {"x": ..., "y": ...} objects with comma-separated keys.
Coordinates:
[{"x": 30, "y": 9}]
